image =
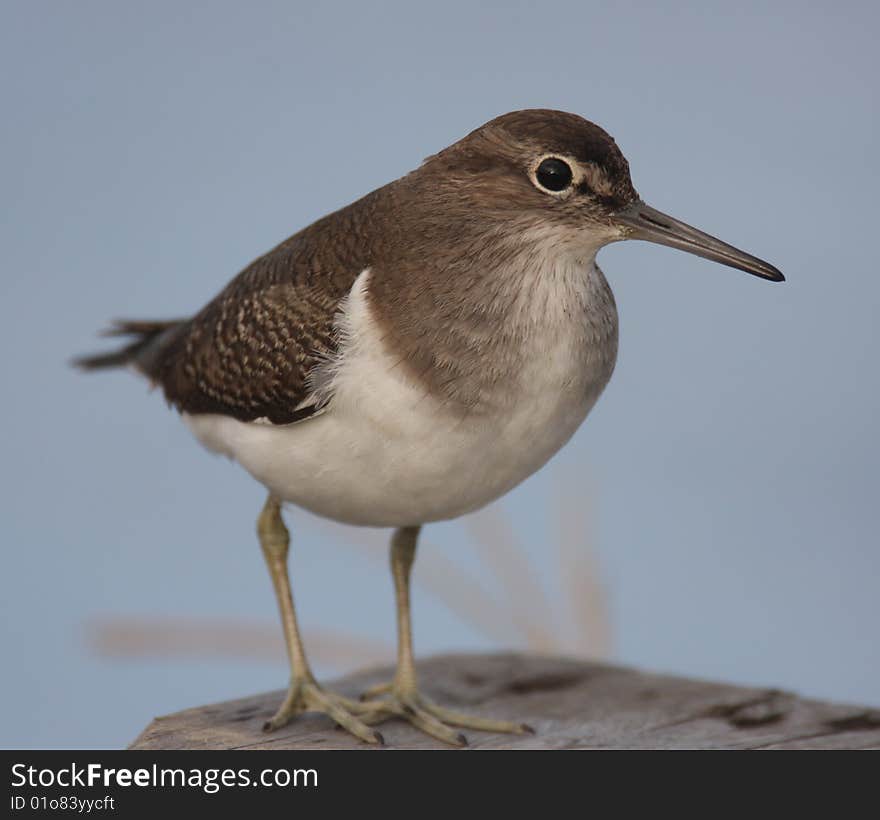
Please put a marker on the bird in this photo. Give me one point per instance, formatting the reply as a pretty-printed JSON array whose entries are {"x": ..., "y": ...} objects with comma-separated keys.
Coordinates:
[{"x": 414, "y": 356}]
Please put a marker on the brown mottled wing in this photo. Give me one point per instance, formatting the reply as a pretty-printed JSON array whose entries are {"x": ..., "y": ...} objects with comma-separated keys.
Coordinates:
[{"x": 249, "y": 352}]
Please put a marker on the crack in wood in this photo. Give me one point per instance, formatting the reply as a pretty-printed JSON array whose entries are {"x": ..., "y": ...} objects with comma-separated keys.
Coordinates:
[
  {"x": 770, "y": 706},
  {"x": 544, "y": 683},
  {"x": 858, "y": 722}
]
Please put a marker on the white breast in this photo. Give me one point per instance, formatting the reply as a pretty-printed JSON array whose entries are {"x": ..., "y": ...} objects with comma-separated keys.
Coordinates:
[{"x": 385, "y": 452}]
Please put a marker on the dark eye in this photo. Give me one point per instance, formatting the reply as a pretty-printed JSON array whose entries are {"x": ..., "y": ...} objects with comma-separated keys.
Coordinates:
[{"x": 554, "y": 174}]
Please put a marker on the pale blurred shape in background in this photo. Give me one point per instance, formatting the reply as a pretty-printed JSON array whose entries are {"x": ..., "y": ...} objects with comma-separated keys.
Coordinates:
[{"x": 516, "y": 613}]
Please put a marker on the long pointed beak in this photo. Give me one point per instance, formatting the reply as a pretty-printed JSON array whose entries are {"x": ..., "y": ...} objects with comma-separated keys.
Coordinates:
[{"x": 640, "y": 221}]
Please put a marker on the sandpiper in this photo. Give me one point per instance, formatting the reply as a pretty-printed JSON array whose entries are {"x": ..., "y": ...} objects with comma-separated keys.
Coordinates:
[{"x": 415, "y": 355}]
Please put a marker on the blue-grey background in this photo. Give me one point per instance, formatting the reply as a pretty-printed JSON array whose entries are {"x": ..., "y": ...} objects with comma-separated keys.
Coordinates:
[{"x": 726, "y": 483}]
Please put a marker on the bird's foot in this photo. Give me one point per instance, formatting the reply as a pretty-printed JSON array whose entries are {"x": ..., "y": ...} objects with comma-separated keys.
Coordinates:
[
  {"x": 305, "y": 695},
  {"x": 437, "y": 721}
]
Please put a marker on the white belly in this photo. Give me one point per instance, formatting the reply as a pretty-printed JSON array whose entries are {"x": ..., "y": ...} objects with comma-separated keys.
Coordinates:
[{"x": 386, "y": 453}]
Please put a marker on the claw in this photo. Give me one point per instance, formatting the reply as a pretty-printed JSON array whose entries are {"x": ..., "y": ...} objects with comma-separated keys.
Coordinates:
[
  {"x": 430, "y": 718},
  {"x": 308, "y": 696}
]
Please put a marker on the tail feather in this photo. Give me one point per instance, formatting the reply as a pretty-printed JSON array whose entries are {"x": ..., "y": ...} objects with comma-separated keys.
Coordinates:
[{"x": 141, "y": 352}]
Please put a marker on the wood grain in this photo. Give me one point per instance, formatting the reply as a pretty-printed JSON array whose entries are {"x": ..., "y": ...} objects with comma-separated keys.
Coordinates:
[{"x": 572, "y": 704}]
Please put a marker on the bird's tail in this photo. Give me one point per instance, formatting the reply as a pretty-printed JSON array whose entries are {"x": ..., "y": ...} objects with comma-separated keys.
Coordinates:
[{"x": 143, "y": 351}]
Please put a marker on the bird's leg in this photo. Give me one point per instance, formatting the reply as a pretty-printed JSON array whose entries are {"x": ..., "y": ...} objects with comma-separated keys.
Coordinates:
[
  {"x": 401, "y": 696},
  {"x": 304, "y": 693}
]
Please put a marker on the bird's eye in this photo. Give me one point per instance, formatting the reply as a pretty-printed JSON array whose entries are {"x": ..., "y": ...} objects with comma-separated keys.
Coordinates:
[{"x": 554, "y": 174}]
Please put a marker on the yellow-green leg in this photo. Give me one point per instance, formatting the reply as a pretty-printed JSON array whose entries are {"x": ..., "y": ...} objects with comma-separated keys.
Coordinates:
[
  {"x": 304, "y": 693},
  {"x": 401, "y": 696}
]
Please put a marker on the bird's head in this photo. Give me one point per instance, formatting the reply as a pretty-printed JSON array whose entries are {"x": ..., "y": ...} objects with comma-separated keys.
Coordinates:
[{"x": 549, "y": 173}]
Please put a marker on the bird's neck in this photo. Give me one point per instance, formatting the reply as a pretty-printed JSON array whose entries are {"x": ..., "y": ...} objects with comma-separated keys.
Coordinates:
[{"x": 473, "y": 316}]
